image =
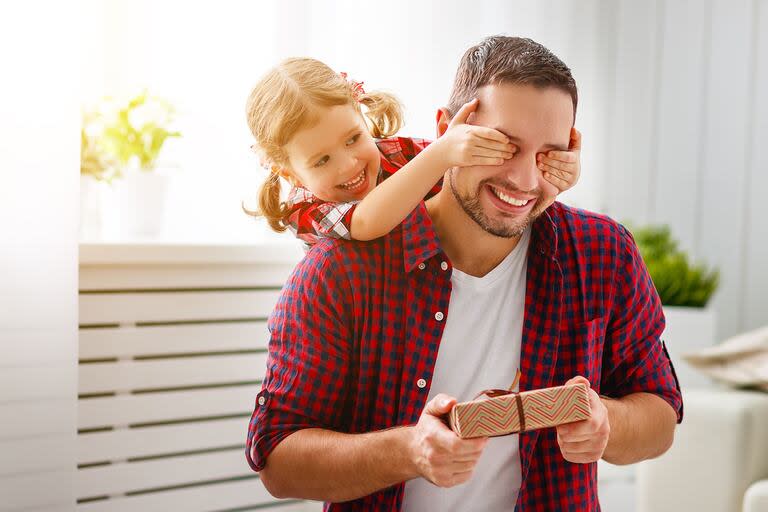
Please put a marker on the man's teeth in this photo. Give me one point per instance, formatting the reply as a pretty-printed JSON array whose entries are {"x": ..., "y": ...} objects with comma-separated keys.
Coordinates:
[
  {"x": 356, "y": 182},
  {"x": 509, "y": 199}
]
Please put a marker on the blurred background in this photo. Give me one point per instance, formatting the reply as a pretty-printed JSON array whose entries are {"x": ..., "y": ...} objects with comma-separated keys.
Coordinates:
[{"x": 99, "y": 267}]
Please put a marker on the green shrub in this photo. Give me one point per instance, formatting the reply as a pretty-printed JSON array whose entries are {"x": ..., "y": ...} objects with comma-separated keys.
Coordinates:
[{"x": 678, "y": 281}]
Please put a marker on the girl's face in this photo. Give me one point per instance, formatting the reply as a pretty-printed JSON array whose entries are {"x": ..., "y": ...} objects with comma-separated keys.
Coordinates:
[{"x": 337, "y": 159}]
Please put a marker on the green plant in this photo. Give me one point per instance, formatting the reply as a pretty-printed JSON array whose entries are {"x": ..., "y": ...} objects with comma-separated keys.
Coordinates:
[
  {"x": 138, "y": 130},
  {"x": 678, "y": 281}
]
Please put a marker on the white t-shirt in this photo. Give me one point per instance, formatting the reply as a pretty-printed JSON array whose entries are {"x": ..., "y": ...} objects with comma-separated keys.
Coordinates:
[{"x": 480, "y": 349}]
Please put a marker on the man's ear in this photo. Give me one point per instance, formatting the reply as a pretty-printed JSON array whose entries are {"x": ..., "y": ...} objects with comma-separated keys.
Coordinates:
[{"x": 442, "y": 120}]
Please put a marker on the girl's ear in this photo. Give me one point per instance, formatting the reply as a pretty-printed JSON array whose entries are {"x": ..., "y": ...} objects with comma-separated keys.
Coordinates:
[{"x": 286, "y": 174}]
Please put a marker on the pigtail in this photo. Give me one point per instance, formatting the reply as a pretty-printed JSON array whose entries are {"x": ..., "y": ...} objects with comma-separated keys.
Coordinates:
[
  {"x": 270, "y": 206},
  {"x": 384, "y": 113}
]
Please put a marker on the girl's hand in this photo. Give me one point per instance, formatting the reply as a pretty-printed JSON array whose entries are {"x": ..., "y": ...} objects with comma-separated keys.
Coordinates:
[
  {"x": 562, "y": 168},
  {"x": 465, "y": 144}
]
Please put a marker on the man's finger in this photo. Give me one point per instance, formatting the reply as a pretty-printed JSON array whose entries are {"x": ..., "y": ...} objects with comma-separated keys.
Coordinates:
[
  {"x": 574, "y": 438},
  {"x": 460, "y": 478},
  {"x": 441, "y": 404},
  {"x": 471, "y": 447},
  {"x": 463, "y": 114},
  {"x": 577, "y": 429},
  {"x": 579, "y": 380}
]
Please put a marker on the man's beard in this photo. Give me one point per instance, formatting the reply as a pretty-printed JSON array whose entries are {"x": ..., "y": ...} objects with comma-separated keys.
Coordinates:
[{"x": 504, "y": 228}]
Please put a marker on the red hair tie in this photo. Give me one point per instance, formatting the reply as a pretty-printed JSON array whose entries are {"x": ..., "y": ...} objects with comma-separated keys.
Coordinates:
[{"x": 357, "y": 87}]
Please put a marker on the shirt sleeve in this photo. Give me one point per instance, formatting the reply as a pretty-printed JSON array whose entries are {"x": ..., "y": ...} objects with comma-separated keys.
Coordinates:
[
  {"x": 312, "y": 220},
  {"x": 635, "y": 358},
  {"x": 306, "y": 381}
]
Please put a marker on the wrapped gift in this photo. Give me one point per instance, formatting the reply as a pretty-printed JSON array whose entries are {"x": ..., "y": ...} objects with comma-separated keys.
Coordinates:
[{"x": 502, "y": 412}]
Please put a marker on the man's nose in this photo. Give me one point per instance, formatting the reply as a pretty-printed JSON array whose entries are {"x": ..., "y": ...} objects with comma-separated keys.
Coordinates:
[{"x": 523, "y": 171}]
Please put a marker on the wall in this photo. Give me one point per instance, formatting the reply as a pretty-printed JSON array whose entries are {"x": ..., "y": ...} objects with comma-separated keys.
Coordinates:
[
  {"x": 39, "y": 155},
  {"x": 689, "y": 112}
]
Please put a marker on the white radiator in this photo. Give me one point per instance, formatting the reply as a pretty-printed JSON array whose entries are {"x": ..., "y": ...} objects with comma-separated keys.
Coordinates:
[{"x": 172, "y": 350}]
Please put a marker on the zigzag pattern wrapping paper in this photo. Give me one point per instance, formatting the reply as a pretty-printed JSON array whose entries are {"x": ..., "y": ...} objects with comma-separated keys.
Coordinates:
[{"x": 542, "y": 408}]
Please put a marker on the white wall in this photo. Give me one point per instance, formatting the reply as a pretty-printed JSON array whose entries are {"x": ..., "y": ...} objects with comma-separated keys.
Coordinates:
[
  {"x": 689, "y": 114},
  {"x": 205, "y": 58},
  {"x": 39, "y": 155},
  {"x": 672, "y": 102}
]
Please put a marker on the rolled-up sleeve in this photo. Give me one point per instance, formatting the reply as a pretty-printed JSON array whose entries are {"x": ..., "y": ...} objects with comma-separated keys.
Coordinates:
[
  {"x": 635, "y": 357},
  {"x": 306, "y": 380}
]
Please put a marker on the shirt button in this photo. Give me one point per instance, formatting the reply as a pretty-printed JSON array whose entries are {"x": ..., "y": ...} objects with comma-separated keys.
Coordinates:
[
  {"x": 421, "y": 383},
  {"x": 444, "y": 266},
  {"x": 422, "y": 266},
  {"x": 439, "y": 316},
  {"x": 261, "y": 400}
]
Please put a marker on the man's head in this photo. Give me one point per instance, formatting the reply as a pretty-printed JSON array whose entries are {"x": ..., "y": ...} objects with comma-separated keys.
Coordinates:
[{"x": 528, "y": 94}]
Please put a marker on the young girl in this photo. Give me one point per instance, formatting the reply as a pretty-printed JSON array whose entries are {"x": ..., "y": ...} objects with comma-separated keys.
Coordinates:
[{"x": 310, "y": 130}]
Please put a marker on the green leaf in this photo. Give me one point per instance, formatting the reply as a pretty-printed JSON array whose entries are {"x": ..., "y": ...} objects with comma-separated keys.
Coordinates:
[{"x": 678, "y": 281}]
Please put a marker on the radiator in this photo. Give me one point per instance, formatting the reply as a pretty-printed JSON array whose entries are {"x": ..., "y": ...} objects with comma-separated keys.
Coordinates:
[{"x": 172, "y": 350}]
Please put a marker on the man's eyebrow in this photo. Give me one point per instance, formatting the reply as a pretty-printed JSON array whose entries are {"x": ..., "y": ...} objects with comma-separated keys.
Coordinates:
[
  {"x": 345, "y": 137},
  {"x": 517, "y": 140}
]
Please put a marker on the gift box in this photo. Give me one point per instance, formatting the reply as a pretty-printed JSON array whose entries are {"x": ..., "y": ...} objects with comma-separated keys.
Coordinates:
[{"x": 500, "y": 412}]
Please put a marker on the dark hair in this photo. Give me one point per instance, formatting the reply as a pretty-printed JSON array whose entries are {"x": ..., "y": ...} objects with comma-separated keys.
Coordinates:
[{"x": 509, "y": 60}]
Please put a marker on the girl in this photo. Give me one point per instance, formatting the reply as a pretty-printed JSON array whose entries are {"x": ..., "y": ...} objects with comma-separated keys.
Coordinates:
[{"x": 310, "y": 129}]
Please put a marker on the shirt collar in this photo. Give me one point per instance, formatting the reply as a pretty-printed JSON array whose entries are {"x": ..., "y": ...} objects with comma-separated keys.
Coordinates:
[
  {"x": 544, "y": 231},
  {"x": 420, "y": 241}
]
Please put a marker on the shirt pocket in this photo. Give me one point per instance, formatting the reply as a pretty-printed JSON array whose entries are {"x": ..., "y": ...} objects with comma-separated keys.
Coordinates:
[{"x": 580, "y": 351}]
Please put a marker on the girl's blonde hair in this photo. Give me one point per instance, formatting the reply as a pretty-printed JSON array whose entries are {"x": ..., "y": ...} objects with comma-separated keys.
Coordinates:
[{"x": 287, "y": 99}]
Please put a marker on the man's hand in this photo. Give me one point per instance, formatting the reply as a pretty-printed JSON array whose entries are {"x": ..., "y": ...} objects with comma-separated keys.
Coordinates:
[
  {"x": 439, "y": 454},
  {"x": 585, "y": 441}
]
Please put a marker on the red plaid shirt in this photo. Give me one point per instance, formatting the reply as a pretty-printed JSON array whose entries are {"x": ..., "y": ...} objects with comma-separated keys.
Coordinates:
[
  {"x": 311, "y": 218},
  {"x": 356, "y": 328}
]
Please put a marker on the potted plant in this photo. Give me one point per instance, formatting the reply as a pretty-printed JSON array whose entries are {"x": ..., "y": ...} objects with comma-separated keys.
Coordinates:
[
  {"x": 97, "y": 169},
  {"x": 121, "y": 144},
  {"x": 685, "y": 289}
]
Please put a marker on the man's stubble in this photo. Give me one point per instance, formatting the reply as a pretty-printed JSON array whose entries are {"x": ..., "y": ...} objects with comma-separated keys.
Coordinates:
[{"x": 472, "y": 207}]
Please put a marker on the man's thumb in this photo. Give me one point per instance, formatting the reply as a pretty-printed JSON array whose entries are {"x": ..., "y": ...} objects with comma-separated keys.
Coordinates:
[
  {"x": 579, "y": 380},
  {"x": 440, "y": 405}
]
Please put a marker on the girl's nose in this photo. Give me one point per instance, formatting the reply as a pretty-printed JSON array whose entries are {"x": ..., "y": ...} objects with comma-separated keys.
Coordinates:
[{"x": 348, "y": 164}]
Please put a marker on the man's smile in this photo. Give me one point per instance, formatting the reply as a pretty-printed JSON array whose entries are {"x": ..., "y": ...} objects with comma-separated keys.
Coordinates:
[{"x": 509, "y": 202}]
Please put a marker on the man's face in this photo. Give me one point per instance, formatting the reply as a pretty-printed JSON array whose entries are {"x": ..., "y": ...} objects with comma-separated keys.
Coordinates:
[{"x": 505, "y": 199}]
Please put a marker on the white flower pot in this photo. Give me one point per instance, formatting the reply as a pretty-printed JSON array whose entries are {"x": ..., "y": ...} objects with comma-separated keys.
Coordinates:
[
  {"x": 142, "y": 198},
  {"x": 688, "y": 330}
]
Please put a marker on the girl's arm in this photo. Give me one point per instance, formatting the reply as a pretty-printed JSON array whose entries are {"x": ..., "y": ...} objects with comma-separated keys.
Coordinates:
[{"x": 391, "y": 201}]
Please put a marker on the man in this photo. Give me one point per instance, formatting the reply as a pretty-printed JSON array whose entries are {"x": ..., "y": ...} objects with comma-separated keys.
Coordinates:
[{"x": 372, "y": 343}]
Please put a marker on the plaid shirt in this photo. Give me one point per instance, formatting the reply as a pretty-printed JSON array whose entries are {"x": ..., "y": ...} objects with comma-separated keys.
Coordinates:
[
  {"x": 311, "y": 218},
  {"x": 357, "y": 327}
]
